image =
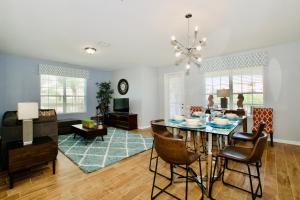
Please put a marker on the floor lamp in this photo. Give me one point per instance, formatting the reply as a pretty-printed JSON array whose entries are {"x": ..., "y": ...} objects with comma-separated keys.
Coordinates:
[{"x": 26, "y": 112}]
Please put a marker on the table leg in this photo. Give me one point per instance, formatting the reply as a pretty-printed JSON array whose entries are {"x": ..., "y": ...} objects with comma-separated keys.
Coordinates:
[
  {"x": 102, "y": 137},
  {"x": 226, "y": 140},
  {"x": 74, "y": 135},
  {"x": 11, "y": 181},
  {"x": 209, "y": 162}
]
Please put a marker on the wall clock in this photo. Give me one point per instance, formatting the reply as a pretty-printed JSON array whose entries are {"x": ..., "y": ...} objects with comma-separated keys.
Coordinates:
[{"x": 123, "y": 86}]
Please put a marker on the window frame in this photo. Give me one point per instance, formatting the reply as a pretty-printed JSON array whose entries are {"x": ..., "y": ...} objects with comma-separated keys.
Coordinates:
[
  {"x": 230, "y": 73},
  {"x": 64, "y": 96}
]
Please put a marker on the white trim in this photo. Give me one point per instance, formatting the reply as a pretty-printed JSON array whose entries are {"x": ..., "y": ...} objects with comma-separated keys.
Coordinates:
[{"x": 287, "y": 141}]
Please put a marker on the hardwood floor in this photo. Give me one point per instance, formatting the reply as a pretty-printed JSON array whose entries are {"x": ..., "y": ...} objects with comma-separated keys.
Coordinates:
[{"x": 131, "y": 179}]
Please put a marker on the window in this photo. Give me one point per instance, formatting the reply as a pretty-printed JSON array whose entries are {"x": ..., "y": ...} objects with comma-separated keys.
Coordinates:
[
  {"x": 64, "y": 94},
  {"x": 246, "y": 81}
]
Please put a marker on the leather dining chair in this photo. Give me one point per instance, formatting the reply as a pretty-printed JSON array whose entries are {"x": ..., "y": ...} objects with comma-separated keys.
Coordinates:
[
  {"x": 159, "y": 129},
  {"x": 247, "y": 156},
  {"x": 174, "y": 152},
  {"x": 252, "y": 137}
]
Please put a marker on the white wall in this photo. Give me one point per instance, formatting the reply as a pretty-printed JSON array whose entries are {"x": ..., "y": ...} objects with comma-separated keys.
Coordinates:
[
  {"x": 142, "y": 93},
  {"x": 281, "y": 90}
]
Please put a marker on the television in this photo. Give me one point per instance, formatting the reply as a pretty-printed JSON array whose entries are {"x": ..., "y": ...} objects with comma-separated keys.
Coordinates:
[{"x": 121, "y": 105}]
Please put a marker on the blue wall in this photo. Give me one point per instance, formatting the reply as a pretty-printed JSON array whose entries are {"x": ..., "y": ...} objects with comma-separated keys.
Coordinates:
[{"x": 20, "y": 81}]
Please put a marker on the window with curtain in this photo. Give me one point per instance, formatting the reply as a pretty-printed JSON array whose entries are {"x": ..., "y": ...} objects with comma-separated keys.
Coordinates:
[
  {"x": 64, "y": 94},
  {"x": 246, "y": 81}
]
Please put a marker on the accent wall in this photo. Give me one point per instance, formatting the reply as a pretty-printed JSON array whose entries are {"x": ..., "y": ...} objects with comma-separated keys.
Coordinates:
[{"x": 20, "y": 81}]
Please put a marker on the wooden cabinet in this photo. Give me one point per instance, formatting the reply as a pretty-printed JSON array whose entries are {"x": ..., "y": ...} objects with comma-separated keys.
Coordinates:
[
  {"x": 126, "y": 121},
  {"x": 41, "y": 151}
]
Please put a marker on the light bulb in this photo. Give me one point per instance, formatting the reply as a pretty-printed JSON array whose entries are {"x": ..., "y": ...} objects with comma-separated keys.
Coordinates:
[
  {"x": 204, "y": 39},
  {"x": 177, "y": 54},
  {"x": 188, "y": 66},
  {"x": 90, "y": 50},
  {"x": 173, "y": 38},
  {"x": 199, "y": 48},
  {"x": 196, "y": 28},
  {"x": 199, "y": 59}
]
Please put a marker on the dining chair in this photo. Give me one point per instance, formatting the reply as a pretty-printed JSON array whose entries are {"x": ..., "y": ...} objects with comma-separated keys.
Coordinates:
[
  {"x": 174, "y": 152},
  {"x": 159, "y": 129},
  {"x": 247, "y": 156},
  {"x": 252, "y": 137},
  {"x": 196, "y": 109},
  {"x": 265, "y": 115}
]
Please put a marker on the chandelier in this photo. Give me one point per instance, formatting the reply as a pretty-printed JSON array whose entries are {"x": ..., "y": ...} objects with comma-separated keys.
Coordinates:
[{"x": 191, "y": 52}]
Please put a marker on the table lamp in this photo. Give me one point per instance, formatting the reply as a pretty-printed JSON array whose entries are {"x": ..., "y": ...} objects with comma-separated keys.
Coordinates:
[
  {"x": 26, "y": 112},
  {"x": 224, "y": 93}
]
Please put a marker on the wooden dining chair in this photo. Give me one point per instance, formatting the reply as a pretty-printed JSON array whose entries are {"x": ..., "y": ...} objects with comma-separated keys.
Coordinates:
[
  {"x": 196, "y": 109},
  {"x": 265, "y": 115},
  {"x": 174, "y": 152},
  {"x": 247, "y": 156}
]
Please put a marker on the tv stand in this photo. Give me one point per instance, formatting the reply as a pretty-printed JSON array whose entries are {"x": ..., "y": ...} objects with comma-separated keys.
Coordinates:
[{"x": 127, "y": 121}]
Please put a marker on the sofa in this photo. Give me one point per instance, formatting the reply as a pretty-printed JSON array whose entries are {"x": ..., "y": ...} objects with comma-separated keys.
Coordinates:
[{"x": 11, "y": 130}]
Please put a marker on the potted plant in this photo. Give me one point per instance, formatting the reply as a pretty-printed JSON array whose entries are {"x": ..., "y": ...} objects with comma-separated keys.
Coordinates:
[{"x": 104, "y": 95}]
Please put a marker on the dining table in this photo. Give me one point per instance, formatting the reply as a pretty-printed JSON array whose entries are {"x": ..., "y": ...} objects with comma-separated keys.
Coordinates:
[{"x": 210, "y": 128}]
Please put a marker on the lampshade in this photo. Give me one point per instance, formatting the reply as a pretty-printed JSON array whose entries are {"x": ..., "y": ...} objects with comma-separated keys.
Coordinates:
[
  {"x": 223, "y": 93},
  {"x": 28, "y": 110}
]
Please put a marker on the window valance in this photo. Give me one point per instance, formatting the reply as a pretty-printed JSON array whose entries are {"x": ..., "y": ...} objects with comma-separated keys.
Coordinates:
[
  {"x": 63, "y": 71},
  {"x": 234, "y": 61}
]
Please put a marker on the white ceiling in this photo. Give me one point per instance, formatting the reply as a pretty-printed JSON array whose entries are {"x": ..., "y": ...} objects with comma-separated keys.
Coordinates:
[{"x": 139, "y": 30}]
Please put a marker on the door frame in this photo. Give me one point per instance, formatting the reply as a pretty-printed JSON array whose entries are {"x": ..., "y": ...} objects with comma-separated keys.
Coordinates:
[{"x": 166, "y": 91}]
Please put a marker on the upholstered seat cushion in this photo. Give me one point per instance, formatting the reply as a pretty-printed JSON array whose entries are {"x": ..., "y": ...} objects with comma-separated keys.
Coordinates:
[
  {"x": 243, "y": 136},
  {"x": 236, "y": 153}
]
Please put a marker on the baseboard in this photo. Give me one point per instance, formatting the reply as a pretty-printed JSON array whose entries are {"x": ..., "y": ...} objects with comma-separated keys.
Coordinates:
[
  {"x": 287, "y": 141},
  {"x": 144, "y": 127}
]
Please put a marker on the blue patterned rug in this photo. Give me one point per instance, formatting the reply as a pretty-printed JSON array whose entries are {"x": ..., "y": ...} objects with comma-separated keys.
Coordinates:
[{"x": 96, "y": 154}]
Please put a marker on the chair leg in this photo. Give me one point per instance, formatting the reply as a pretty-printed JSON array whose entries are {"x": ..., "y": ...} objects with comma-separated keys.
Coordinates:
[
  {"x": 151, "y": 157},
  {"x": 186, "y": 182},
  {"x": 212, "y": 179},
  {"x": 155, "y": 171},
  {"x": 271, "y": 136},
  {"x": 250, "y": 179},
  {"x": 259, "y": 181},
  {"x": 200, "y": 170}
]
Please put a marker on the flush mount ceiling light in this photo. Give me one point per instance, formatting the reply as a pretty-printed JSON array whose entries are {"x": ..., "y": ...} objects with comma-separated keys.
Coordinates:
[
  {"x": 191, "y": 52},
  {"x": 90, "y": 50}
]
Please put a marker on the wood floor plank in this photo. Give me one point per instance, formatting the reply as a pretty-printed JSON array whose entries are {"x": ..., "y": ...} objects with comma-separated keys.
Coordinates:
[{"x": 131, "y": 179}]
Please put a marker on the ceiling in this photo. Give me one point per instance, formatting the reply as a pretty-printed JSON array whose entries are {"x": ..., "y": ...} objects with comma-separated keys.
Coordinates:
[{"x": 139, "y": 31}]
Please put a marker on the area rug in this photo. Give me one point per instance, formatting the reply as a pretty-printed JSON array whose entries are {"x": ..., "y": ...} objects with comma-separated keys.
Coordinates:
[{"x": 95, "y": 154}]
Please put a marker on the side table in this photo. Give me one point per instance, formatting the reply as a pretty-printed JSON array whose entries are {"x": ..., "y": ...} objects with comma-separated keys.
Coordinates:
[{"x": 20, "y": 157}]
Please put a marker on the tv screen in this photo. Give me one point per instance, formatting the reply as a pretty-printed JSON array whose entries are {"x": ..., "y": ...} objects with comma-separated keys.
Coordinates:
[{"x": 121, "y": 105}]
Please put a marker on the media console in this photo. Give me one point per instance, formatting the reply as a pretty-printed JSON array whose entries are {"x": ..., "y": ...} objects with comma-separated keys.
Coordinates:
[{"x": 126, "y": 121}]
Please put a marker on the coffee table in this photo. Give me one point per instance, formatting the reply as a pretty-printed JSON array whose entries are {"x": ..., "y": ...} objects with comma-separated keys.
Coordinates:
[{"x": 88, "y": 133}]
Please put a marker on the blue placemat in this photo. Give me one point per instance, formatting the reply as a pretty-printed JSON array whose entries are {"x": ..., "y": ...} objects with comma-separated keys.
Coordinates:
[
  {"x": 174, "y": 121},
  {"x": 214, "y": 125},
  {"x": 232, "y": 118}
]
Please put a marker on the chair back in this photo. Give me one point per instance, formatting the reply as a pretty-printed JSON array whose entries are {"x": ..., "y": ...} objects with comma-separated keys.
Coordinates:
[
  {"x": 171, "y": 150},
  {"x": 265, "y": 115},
  {"x": 197, "y": 109},
  {"x": 258, "y": 149},
  {"x": 260, "y": 130},
  {"x": 158, "y": 128}
]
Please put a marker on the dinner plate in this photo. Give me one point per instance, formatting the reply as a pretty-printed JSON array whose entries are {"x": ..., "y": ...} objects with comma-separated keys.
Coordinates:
[{"x": 214, "y": 125}]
